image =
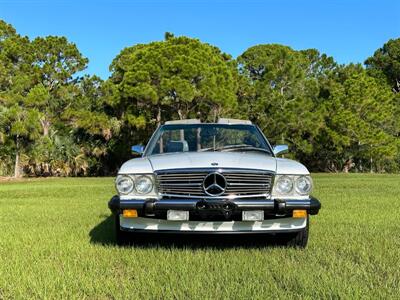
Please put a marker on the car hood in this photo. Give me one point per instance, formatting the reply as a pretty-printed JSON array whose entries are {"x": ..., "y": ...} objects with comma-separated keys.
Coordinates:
[
  {"x": 181, "y": 160},
  {"x": 244, "y": 160},
  {"x": 213, "y": 160}
]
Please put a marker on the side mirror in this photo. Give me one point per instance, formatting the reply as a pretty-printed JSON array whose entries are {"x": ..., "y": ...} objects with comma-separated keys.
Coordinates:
[
  {"x": 281, "y": 149},
  {"x": 137, "y": 150}
]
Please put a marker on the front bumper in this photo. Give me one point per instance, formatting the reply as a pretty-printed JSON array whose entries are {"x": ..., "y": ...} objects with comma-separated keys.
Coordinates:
[
  {"x": 152, "y": 207},
  {"x": 213, "y": 216}
]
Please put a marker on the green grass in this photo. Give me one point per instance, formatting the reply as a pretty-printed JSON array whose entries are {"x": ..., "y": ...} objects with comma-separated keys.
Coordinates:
[{"x": 56, "y": 241}]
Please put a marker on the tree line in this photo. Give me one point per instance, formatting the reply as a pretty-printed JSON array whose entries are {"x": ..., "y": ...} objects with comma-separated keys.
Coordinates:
[{"x": 54, "y": 121}]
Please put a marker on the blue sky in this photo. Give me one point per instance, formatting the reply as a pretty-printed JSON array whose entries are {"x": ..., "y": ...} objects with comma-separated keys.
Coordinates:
[{"x": 350, "y": 31}]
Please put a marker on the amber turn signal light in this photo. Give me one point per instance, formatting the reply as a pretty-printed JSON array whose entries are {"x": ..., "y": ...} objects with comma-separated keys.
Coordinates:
[
  {"x": 130, "y": 213},
  {"x": 299, "y": 214}
]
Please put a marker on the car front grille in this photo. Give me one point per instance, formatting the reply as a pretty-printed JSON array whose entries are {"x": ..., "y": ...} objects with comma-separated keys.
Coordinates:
[{"x": 240, "y": 183}]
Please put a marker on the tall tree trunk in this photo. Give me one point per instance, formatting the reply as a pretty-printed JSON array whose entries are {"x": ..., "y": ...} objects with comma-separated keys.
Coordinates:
[
  {"x": 182, "y": 116},
  {"x": 158, "y": 118},
  {"x": 215, "y": 114},
  {"x": 348, "y": 165},
  {"x": 372, "y": 168},
  {"x": 45, "y": 126},
  {"x": 198, "y": 139},
  {"x": 17, "y": 172}
]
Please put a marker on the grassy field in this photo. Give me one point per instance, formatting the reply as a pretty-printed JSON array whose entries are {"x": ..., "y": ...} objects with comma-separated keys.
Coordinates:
[{"x": 56, "y": 241}]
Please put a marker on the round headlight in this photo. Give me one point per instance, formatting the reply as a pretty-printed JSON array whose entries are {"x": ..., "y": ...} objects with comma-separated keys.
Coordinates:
[
  {"x": 284, "y": 185},
  {"x": 124, "y": 184},
  {"x": 303, "y": 185},
  {"x": 144, "y": 185}
]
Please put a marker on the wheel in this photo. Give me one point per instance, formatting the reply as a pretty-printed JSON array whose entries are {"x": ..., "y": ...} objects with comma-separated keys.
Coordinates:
[
  {"x": 297, "y": 239},
  {"x": 121, "y": 237}
]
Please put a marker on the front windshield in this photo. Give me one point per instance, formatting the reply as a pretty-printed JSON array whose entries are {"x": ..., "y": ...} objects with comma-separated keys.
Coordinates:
[{"x": 207, "y": 137}]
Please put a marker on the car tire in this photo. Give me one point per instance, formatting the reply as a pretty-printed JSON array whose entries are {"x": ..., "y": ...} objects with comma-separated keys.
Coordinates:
[
  {"x": 298, "y": 239},
  {"x": 121, "y": 237}
]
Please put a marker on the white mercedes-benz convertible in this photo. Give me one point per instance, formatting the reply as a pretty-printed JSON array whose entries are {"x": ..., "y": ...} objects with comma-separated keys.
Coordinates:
[{"x": 213, "y": 178}]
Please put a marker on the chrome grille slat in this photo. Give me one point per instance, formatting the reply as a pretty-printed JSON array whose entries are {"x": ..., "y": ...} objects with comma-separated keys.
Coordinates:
[
  {"x": 176, "y": 180},
  {"x": 180, "y": 183},
  {"x": 182, "y": 175},
  {"x": 185, "y": 192},
  {"x": 182, "y": 189},
  {"x": 247, "y": 184},
  {"x": 245, "y": 178},
  {"x": 180, "y": 179},
  {"x": 189, "y": 183},
  {"x": 245, "y": 188},
  {"x": 244, "y": 191},
  {"x": 244, "y": 175}
]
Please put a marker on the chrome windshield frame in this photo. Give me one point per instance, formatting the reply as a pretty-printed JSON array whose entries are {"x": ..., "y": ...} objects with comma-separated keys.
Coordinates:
[{"x": 155, "y": 136}]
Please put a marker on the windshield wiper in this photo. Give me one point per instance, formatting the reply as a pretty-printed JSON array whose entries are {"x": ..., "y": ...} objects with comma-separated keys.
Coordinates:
[
  {"x": 242, "y": 147},
  {"x": 222, "y": 148},
  {"x": 247, "y": 148}
]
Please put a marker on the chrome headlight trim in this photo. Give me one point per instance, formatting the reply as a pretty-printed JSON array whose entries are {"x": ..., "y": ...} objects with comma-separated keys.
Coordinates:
[
  {"x": 128, "y": 181},
  {"x": 284, "y": 185},
  {"x": 135, "y": 192},
  {"x": 296, "y": 191},
  {"x": 140, "y": 184},
  {"x": 303, "y": 185}
]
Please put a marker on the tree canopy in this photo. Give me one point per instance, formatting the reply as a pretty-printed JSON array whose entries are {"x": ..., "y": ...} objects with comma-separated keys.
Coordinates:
[
  {"x": 195, "y": 78},
  {"x": 282, "y": 94},
  {"x": 54, "y": 120},
  {"x": 386, "y": 62}
]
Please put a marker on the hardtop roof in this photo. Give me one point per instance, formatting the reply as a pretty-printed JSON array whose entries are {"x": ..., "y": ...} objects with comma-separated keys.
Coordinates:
[{"x": 220, "y": 121}]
